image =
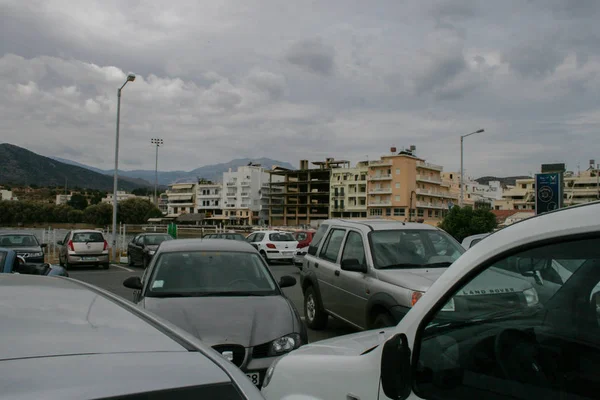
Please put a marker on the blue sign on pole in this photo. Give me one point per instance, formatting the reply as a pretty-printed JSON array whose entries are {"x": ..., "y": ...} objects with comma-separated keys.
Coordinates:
[{"x": 548, "y": 192}]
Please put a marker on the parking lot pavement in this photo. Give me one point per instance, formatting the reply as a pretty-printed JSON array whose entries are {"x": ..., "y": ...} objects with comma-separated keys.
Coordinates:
[{"x": 112, "y": 280}]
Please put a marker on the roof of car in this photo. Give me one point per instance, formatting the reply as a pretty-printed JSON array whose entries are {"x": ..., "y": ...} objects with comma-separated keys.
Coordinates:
[
  {"x": 51, "y": 316},
  {"x": 206, "y": 245},
  {"x": 86, "y": 231},
  {"x": 380, "y": 224},
  {"x": 17, "y": 233},
  {"x": 154, "y": 234}
]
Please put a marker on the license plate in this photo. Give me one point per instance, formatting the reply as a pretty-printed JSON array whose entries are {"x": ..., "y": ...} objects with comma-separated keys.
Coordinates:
[
  {"x": 89, "y": 258},
  {"x": 288, "y": 253},
  {"x": 254, "y": 377}
]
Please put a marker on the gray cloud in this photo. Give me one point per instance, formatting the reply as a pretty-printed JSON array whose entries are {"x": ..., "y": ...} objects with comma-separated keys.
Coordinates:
[{"x": 339, "y": 78}]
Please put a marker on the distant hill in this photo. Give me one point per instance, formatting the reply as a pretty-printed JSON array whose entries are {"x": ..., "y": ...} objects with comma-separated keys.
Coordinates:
[
  {"x": 211, "y": 172},
  {"x": 509, "y": 180},
  {"x": 137, "y": 181},
  {"x": 23, "y": 167}
]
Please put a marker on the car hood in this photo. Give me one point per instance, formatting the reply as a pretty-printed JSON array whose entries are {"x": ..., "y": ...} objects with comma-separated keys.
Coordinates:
[
  {"x": 415, "y": 278},
  {"x": 497, "y": 281},
  {"x": 347, "y": 345},
  {"x": 248, "y": 321},
  {"x": 26, "y": 249}
]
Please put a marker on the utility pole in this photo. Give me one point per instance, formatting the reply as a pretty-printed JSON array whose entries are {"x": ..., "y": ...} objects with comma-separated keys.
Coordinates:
[
  {"x": 462, "y": 184},
  {"x": 157, "y": 142}
]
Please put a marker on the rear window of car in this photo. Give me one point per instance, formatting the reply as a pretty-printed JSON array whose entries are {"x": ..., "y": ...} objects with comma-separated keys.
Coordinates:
[
  {"x": 87, "y": 237},
  {"x": 156, "y": 239},
  {"x": 281, "y": 237},
  {"x": 318, "y": 236}
]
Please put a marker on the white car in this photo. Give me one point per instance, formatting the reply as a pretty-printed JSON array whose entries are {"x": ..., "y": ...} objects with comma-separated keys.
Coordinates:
[
  {"x": 274, "y": 245},
  {"x": 551, "y": 350},
  {"x": 472, "y": 240}
]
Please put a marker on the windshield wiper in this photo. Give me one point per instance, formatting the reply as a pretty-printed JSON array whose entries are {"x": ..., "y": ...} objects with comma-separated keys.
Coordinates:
[
  {"x": 172, "y": 294},
  {"x": 402, "y": 265},
  {"x": 231, "y": 293},
  {"x": 518, "y": 314}
]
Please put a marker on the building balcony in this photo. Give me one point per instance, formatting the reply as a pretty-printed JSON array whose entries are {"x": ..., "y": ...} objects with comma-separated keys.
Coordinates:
[
  {"x": 356, "y": 207},
  {"x": 245, "y": 194},
  {"x": 380, "y": 163},
  {"x": 380, "y": 191},
  {"x": 435, "y": 167},
  {"x": 245, "y": 183},
  {"x": 425, "y": 204},
  {"x": 179, "y": 205},
  {"x": 382, "y": 177},
  {"x": 231, "y": 183},
  {"x": 436, "y": 193},
  {"x": 382, "y": 203},
  {"x": 215, "y": 207},
  {"x": 430, "y": 179},
  {"x": 208, "y": 196},
  {"x": 230, "y": 195}
]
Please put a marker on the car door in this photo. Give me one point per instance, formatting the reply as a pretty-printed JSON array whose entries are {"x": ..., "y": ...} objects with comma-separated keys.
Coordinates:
[
  {"x": 137, "y": 294},
  {"x": 63, "y": 247},
  {"x": 353, "y": 287},
  {"x": 326, "y": 267},
  {"x": 132, "y": 248},
  {"x": 257, "y": 240}
]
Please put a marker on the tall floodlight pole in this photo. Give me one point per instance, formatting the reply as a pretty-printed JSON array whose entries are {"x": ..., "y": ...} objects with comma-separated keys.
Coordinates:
[
  {"x": 130, "y": 78},
  {"x": 157, "y": 142},
  {"x": 462, "y": 183}
]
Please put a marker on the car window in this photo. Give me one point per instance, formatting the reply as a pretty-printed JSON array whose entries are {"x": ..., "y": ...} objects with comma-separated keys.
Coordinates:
[
  {"x": 413, "y": 248},
  {"x": 281, "y": 237},
  {"x": 155, "y": 240},
  {"x": 259, "y": 237},
  {"x": 354, "y": 248},
  {"x": 474, "y": 242},
  {"x": 18, "y": 240},
  {"x": 204, "y": 273},
  {"x": 316, "y": 240},
  {"x": 66, "y": 239},
  {"x": 88, "y": 237},
  {"x": 251, "y": 237},
  {"x": 331, "y": 247},
  {"x": 509, "y": 334},
  {"x": 300, "y": 236}
]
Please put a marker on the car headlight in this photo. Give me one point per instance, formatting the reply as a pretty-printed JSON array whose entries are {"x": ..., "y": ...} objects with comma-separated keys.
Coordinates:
[
  {"x": 285, "y": 344},
  {"x": 269, "y": 373},
  {"x": 151, "y": 252},
  {"x": 531, "y": 297}
]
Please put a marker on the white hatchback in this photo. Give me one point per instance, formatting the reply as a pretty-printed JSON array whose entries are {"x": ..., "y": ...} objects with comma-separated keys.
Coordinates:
[{"x": 274, "y": 245}]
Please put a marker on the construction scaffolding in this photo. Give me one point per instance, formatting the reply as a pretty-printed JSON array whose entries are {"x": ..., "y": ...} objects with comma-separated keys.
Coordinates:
[{"x": 302, "y": 197}]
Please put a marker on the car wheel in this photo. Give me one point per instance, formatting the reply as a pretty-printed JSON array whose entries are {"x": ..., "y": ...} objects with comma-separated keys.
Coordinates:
[
  {"x": 315, "y": 316},
  {"x": 383, "y": 320}
]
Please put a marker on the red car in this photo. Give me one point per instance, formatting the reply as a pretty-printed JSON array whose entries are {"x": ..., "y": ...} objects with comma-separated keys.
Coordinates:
[{"x": 304, "y": 238}]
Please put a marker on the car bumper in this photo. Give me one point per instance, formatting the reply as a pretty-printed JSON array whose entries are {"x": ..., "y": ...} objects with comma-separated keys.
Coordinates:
[
  {"x": 87, "y": 259},
  {"x": 258, "y": 366},
  {"x": 277, "y": 255}
]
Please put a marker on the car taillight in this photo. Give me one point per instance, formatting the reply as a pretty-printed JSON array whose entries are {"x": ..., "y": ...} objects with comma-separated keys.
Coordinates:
[
  {"x": 271, "y": 246},
  {"x": 301, "y": 245},
  {"x": 105, "y": 245},
  {"x": 70, "y": 245},
  {"x": 415, "y": 297}
]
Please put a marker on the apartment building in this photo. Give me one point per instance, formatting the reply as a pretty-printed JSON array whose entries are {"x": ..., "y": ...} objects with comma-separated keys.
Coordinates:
[
  {"x": 473, "y": 191},
  {"x": 62, "y": 199},
  {"x": 121, "y": 195},
  {"x": 163, "y": 203},
  {"x": 348, "y": 191},
  {"x": 301, "y": 197},
  {"x": 181, "y": 199},
  {"x": 7, "y": 195},
  {"x": 209, "y": 200},
  {"x": 404, "y": 187}
]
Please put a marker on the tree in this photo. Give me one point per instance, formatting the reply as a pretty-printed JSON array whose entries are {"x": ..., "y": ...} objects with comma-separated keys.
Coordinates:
[
  {"x": 154, "y": 213},
  {"x": 98, "y": 214},
  {"x": 78, "y": 201},
  {"x": 141, "y": 192},
  {"x": 75, "y": 216},
  {"x": 134, "y": 211},
  {"x": 463, "y": 222}
]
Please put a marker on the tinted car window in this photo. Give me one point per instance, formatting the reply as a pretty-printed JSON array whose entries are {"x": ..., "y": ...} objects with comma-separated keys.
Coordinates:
[
  {"x": 84, "y": 237},
  {"x": 18, "y": 240},
  {"x": 204, "y": 273},
  {"x": 156, "y": 239},
  {"x": 354, "y": 248},
  {"x": 281, "y": 237},
  {"x": 331, "y": 248},
  {"x": 316, "y": 240}
]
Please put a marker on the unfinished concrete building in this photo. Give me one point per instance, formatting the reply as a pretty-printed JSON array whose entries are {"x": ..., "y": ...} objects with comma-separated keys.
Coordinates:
[{"x": 304, "y": 198}]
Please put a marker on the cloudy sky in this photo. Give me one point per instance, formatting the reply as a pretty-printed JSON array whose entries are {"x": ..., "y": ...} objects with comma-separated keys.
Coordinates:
[{"x": 225, "y": 79}]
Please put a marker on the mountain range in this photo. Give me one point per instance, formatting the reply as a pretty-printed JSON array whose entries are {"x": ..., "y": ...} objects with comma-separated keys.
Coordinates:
[{"x": 24, "y": 167}]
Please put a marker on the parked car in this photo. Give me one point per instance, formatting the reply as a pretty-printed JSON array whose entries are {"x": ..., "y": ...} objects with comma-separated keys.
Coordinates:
[
  {"x": 226, "y": 235},
  {"x": 274, "y": 245},
  {"x": 142, "y": 247},
  {"x": 472, "y": 240},
  {"x": 11, "y": 263},
  {"x": 25, "y": 245},
  {"x": 83, "y": 247},
  {"x": 66, "y": 339},
  {"x": 548, "y": 350},
  {"x": 304, "y": 238},
  {"x": 369, "y": 273},
  {"x": 223, "y": 292},
  {"x": 299, "y": 257}
]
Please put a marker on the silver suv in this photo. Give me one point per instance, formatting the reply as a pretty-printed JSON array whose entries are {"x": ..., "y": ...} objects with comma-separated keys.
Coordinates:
[{"x": 369, "y": 273}]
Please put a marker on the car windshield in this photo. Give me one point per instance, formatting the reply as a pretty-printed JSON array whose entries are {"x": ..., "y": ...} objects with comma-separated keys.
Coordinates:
[
  {"x": 18, "y": 240},
  {"x": 210, "y": 273},
  {"x": 281, "y": 237},
  {"x": 88, "y": 237},
  {"x": 404, "y": 248},
  {"x": 153, "y": 240}
]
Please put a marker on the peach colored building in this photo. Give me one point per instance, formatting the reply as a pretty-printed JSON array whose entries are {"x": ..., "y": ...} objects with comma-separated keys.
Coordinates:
[{"x": 405, "y": 187}]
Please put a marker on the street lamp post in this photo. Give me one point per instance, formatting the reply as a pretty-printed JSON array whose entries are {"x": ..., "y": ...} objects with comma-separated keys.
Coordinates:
[
  {"x": 130, "y": 78},
  {"x": 157, "y": 142},
  {"x": 462, "y": 185}
]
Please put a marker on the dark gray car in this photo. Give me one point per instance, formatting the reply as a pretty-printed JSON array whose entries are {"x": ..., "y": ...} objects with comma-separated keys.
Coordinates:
[
  {"x": 25, "y": 245},
  {"x": 223, "y": 292},
  {"x": 64, "y": 339}
]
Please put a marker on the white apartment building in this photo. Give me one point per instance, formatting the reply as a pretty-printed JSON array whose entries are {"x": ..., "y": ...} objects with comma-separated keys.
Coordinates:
[
  {"x": 473, "y": 191},
  {"x": 62, "y": 199},
  {"x": 245, "y": 195},
  {"x": 121, "y": 195},
  {"x": 181, "y": 199},
  {"x": 348, "y": 191},
  {"x": 7, "y": 195},
  {"x": 209, "y": 200}
]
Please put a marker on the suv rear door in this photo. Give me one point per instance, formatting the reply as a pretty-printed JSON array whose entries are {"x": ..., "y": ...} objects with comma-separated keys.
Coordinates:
[{"x": 90, "y": 242}]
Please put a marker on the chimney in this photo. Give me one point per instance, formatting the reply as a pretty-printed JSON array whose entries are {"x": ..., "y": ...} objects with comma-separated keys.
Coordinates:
[{"x": 303, "y": 164}]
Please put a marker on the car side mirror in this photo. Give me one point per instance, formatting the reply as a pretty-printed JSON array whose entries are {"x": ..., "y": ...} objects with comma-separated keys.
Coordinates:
[
  {"x": 352, "y": 264},
  {"x": 133, "y": 282},
  {"x": 396, "y": 380},
  {"x": 287, "y": 281}
]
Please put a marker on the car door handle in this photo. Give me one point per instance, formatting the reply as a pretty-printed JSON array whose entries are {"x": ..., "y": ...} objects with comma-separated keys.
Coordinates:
[{"x": 337, "y": 272}]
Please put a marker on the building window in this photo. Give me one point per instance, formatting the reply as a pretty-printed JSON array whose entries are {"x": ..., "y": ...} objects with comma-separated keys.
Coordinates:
[
  {"x": 388, "y": 212},
  {"x": 397, "y": 185},
  {"x": 397, "y": 171},
  {"x": 420, "y": 212},
  {"x": 523, "y": 186},
  {"x": 399, "y": 212},
  {"x": 375, "y": 212},
  {"x": 397, "y": 198},
  {"x": 436, "y": 213},
  {"x": 430, "y": 213}
]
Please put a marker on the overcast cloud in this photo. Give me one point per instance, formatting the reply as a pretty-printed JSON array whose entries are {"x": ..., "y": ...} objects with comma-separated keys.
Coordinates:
[{"x": 305, "y": 79}]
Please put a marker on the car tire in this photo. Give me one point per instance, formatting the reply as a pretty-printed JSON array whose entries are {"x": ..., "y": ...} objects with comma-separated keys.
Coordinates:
[
  {"x": 383, "y": 320},
  {"x": 315, "y": 317},
  {"x": 264, "y": 255}
]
